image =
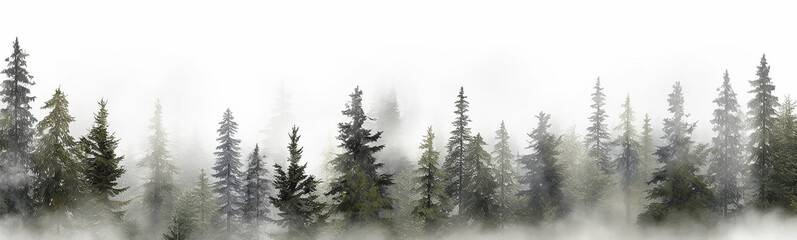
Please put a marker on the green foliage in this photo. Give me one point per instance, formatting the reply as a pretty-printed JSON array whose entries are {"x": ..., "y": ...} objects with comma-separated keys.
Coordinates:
[
  {"x": 784, "y": 144},
  {"x": 434, "y": 205},
  {"x": 505, "y": 174},
  {"x": 725, "y": 165},
  {"x": 455, "y": 164},
  {"x": 159, "y": 188},
  {"x": 256, "y": 191},
  {"x": 585, "y": 186},
  {"x": 598, "y": 134},
  {"x": 228, "y": 171},
  {"x": 628, "y": 159},
  {"x": 543, "y": 176},
  {"x": 479, "y": 203},
  {"x": 762, "y": 120},
  {"x": 195, "y": 215}
]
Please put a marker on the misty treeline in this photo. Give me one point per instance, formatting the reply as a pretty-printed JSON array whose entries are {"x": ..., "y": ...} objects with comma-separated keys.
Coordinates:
[{"x": 73, "y": 181}]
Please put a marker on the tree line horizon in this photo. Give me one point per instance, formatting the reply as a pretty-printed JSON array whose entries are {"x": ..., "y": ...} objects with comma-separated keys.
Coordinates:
[{"x": 750, "y": 164}]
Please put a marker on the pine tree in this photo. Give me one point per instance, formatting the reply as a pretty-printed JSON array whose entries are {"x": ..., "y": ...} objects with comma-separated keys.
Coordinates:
[
  {"x": 182, "y": 226},
  {"x": 300, "y": 208},
  {"x": 456, "y": 165},
  {"x": 762, "y": 118},
  {"x": 58, "y": 180},
  {"x": 505, "y": 173},
  {"x": 585, "y": 184},
  {"x": 203, "y": 206},
  {"x": 628, "y": 160},
  {"x": 784, "y": 145},
  {"x": 646, "y": 151},
  {"x": 102, "y": 170},
  {"x": 360, "y": 193},
  {"x": 227, "y": 170},
  {"x": 16, "y": 134},
  {"x": 433, "y": 206},
  {"x": 159, "y": 189},
  {"x": 597, "y": 134},
  {"x": 388, "y": 120},
  {"x": 679, "y": 191},
  {"x": 256, "y": 191},
  {"x": 724, "y": 171},
  {"x": 543, "y": 175},
  {"x": 479, "y": 203}
]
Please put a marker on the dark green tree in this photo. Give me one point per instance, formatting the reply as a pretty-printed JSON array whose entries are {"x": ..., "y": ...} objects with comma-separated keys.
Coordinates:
[
  {"x": 228, "y": 170},
  {"x": 598, "y": 134},
  {"x": 784, "y": 144},
  {"x": 456, "y": 164},
  {"x": 16, "y": 134},
  {"x": 256, "y": 191},
  {"x": 505, "y": 173},
  {"x": 679, "y": 192},
  {"x": 159, "y": 190},
  {"x": 646, "y": 149},
  {"x": 628, "y": 159},
  {"x": 299, "y": 206},
  {"x": 434, "y": 205},
  {"x": 725, "y": 165},
  {"x": 543, "y": 175},
  {"x": 479, "y": 204},
  {"x": 762, "y": 118}
]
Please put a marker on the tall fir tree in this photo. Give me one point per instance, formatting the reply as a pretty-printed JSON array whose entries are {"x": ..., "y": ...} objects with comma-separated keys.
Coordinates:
[
  {"x": 456, "y": 164},
  {"x": 597, "y": 138},
  {"x": 58, "y": 173},
  {"x": 360, "y": 192},
  {"x": 16, "y": 134},
  {"x": 679, "y": 192},
  {"x": 102, "y": 169},
  {"x": 543, "y": 175},
  {"x": 434, "y": 205},
  {"x": 762, "y": 118},
  {"x": 297, "y": 200},
  {"x": 479, "y": 204},
  {"x": 725, "y": 165},
  {"x": 628, "y": 160},
  {"x": 388, "y": 120},
  {"x": 195, "y": 215},
  {"x": 646, "y": 149},
  {"x": 505, "y": 173},
  {"x": 784, "y": 144},
  {"x": 228, "y": 170},
  {"x": 257, "y": 188},
  {"x": 159, "y": 189}
]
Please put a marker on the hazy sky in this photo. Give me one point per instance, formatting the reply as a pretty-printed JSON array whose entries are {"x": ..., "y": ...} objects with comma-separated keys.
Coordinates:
[{"x": 513, "y": 58}]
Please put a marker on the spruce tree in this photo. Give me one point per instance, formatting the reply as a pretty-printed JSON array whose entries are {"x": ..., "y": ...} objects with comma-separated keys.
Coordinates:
[
  {"x": 724, "y": 169},
  {"x": 58, "y": 173},
  {"x": 479, "y": 203},
  {"x": 299, "y": 206},
  {"x": 203, "y": 206},
  {"x": 456, "y": 164},
  {"x": 159, "y": 189},
  {"x": 102, "y": 169},
  {"x": 543, "y": 175},
  {"x": 16, "y": 134},
  {"x": 256, "y": 193},
  {"x": 433, "y": 206},
  {"x": 628, "y": 160},
  {"x": 597, "y": 134},
  {"x": 388, "y": 120},
  {"x": 505, "y": 173},
  {"x": 228, "y": 171},
  {"x": 646, "y": 151},
  {"x": 585, "y": 183},
  {"x": 678, "y": 192},
  {"x": 784, "y": 144},
  {"x": 762, "y": 118},
  {"x": 360, "y": 192}
]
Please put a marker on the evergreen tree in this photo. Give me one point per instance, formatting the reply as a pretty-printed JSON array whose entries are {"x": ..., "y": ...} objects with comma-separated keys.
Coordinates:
[
  {"x": 585, "y": 184},
  {"x": 784, "y": 144},
  {"x": 505, "y": 173},
  {"x": 679, "y": 191},
  {"x": 646, "y": 151},
  {"x": 300, "y": 208},
  {"x": 360, "y": 193},
  {"x": 203, "y": 207},
  {"x": 227, "y": 170},
  {"x": 598, "y": 134},
  {"x": 256, "y": 192},
  {"x": 16, "y": 134},
  {"x": 58, "y": 181},
  {"x": 724, "y": 171},
  {"x": 280, "y": 122},
  {"x": 159, "y": 188},
  {"x": 456, "y": 164},
  {"x": 433, "y": 206},
  {"x": 628, "y": 160},
  {"x": 182, "y": 226},
  {"x": 543, "y": 175},
  {"x": 479, "y": 204},
  {"x": 762, "y": 118},
  {"x": 102, "y": 170},
  {"x": 388, "y": 120}
]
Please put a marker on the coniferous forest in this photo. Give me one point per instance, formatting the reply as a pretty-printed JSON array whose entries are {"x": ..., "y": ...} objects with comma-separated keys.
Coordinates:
[{"x": 387, "y": 162}]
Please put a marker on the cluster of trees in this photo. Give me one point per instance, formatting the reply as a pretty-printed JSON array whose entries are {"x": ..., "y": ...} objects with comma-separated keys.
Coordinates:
[{"x": 47, "y": 172}]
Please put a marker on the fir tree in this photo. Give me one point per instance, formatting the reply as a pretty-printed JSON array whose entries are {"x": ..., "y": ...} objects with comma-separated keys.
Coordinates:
[
  {"x": 203, "y": 207},
  {"x": 628, "y": 160},
  {"x": 433, "y": 206},
  {"x": 646, "y": 151},
  {"x": 300, "y": 208},
  {"x": 159, "y": 188},
  {"x": 58, "y": 180},
  {"x": 784, "y": 144},
  {"x": 255, "y": 192},
  {"x": 388, "y": 120},
  {"x": 543, "y": 175},
  {"x": 679, "y": 191},
  {"x": 724, "y": 171},
  {"x": 479, "y": 204},
  {"x": 585, "y": 184},
  {"x": 16, "y": 134},
  {"x": 597, "y": 134},
  {"x": 762, "y": 118},
  {"x": 456, "y": 164},
  {"x": 182, "y": 226},
  {"x": 360, "y": 193},
  {"x": 227, "y": 170},
  {"x": 102, "y": 170},
  {"x": 505, "y": 172}
]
